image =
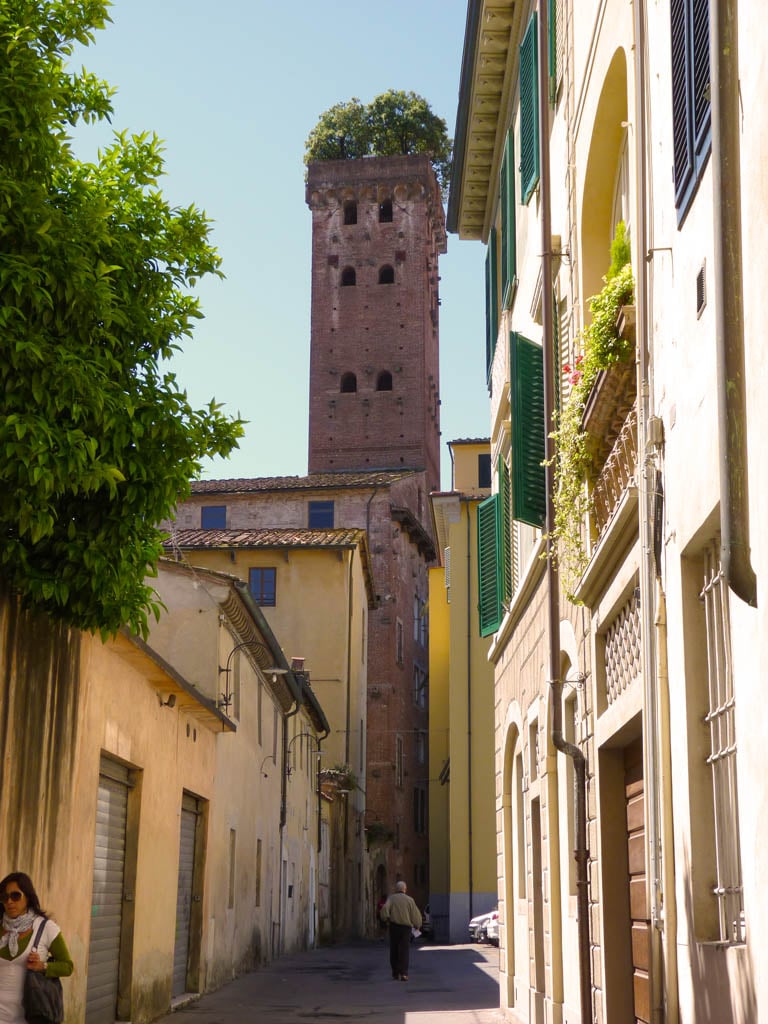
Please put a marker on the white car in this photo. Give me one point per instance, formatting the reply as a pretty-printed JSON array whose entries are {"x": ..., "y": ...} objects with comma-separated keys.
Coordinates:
[
  {"x": 477, "y": 926},
  {"x": 492, "y": 928}
]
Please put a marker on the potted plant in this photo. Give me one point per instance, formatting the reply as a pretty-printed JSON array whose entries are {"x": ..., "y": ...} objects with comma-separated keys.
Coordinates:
[{"x": 580, "y": 427}]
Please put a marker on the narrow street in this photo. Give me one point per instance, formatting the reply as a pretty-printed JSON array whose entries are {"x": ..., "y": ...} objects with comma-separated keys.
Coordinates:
[{"x": 457, "y": 983}]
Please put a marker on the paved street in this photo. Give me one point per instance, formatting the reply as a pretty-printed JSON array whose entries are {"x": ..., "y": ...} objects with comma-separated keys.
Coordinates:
[{"x": 447, "y": 984}]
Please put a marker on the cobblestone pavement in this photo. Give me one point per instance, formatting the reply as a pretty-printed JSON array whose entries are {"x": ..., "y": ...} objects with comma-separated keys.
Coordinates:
[{"x": 447, "y": 984}]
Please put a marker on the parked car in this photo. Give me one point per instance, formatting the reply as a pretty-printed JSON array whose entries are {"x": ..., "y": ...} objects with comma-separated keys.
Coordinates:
[
  {"x": 477, "y": 926},
  {"x": 492, "y": 928}
]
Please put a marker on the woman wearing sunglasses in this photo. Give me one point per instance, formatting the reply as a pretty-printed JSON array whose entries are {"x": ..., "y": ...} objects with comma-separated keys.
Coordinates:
[{"x": 21, "y": 919}]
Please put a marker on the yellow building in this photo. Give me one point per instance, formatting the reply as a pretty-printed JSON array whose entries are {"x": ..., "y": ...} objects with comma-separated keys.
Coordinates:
[
  {"x": 462, "y": 816},
  {"x": 314, "y": 589}
]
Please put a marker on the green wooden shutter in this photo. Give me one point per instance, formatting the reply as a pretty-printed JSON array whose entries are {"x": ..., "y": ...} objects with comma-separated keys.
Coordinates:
[
  {"x": 527, "y": 413},
  {"x": 505, "y": 497},
  {"x": 508, "y": 227},
  {"x": 552, "y": 33},
  {"x": 529, "y": 111},
  {"x": 489, "y": 566},
  {"x": 491, "y": 301},
  {"x": 557, "y": 362}
]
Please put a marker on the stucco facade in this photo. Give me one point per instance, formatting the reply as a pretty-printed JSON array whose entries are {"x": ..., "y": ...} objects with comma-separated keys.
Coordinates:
[
  {"x": 658, "y": 646},
  {"x": 462, "y": 810}
]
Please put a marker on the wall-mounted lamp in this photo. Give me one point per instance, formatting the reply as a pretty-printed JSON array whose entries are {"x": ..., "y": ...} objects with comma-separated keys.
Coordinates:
[
  {"x": 269, "y": 757},
  {"x": 226, "y": 697},
  {"x": 169, "y": 702},
  {"x": 303, "y": 735}
]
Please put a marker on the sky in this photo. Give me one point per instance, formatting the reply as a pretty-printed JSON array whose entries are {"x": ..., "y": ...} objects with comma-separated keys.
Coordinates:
[{"x": 233, "y": 89}]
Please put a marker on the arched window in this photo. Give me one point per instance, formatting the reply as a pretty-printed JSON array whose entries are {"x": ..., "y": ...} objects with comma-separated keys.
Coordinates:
[
  {"x": 348, "y": 277},
  {"x": 387, "y": 275},
  {"x": 350, "y": 211},
  {"x": 348, "y": 383},
  {"x": 385, "y": 212},
  {"x": 384, "y": 381}
]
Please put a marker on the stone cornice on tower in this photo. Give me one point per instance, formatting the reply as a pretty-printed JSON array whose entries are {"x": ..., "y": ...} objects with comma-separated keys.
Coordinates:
[{"x": 372, "y": 180}]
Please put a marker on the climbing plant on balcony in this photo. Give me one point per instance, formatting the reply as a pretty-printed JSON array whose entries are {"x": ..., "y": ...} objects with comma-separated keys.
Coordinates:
[{"x": 602, "y": 346}]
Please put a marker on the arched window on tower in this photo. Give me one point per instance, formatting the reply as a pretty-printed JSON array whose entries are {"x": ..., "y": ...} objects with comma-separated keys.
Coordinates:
[
  {"x": 384, "y": 381},
  {"x": 350, "y": 211},
  {"x": 387, "y": 274},
  {"x": 348, "y": 277},
  {"x": 385, "y": 212},
  {"x": 348, "y": 383}
]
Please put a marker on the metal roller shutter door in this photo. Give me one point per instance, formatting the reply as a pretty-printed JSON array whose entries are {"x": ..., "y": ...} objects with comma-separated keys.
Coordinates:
[
  {"x": 107, "y": 899},
  {"x": 189, "y": 813}
]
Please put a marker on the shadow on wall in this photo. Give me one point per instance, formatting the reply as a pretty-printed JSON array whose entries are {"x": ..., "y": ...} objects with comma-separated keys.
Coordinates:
[{"x": 722, "y": 986}]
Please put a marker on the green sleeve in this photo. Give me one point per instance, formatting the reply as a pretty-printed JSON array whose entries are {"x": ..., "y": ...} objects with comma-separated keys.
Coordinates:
[{"x": 60, "y": 963}]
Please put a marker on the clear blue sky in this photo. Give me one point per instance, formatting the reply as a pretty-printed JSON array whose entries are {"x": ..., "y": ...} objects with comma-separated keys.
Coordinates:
[{"x": 234, "y": 88}]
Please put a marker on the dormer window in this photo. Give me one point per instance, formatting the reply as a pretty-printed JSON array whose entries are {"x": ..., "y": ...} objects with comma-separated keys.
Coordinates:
[
  {"x": 384, "y": 381},
  {"x": 387, "y": 274},
  {"x": 348, "y": 383},
  {"x": 348, "y": 277},
  {"x": 385, "y": 212},
  {"x": 350, "y": 211}
]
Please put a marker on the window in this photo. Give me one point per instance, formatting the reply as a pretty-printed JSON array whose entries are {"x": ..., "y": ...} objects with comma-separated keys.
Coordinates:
[
  {"x": 420, "y": 679},
  {"x": 348, "y": 383},
  {"x": 350, "y": 211},
  {"x": 484, "y": 470},
  {"x": 399, "y": 641},
  {"x": 385, "y": 212},
  {"x": 491, "y": 301},
  {"x": 419, "y": 810},
  {"x": 421, "y": 747},
  {"x": 721, "y": 724},
  {"x": 508, "y": 239},
  {"x": 399, "y": 761},
  {"x": 213, "y": 517},
  {"x": 320, "y": 515},
  {"x": 691, "y": 108},
  {"x": 528, "y": 499},
  {"x": 232, "y": 845},
  {"x": 489, "y": 564},
  {"x": 258, "y": 872},
  {"x": 348, "y": 277},
  {"x": 384, "y": 381},
  {"x": 387, "y": 274},
  {"x": 529, "y": 111},
  {"x": 262, "y": 585}
]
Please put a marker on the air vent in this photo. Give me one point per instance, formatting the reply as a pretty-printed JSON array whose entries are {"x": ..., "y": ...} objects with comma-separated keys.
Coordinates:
[{"x": 701, "y": 289}]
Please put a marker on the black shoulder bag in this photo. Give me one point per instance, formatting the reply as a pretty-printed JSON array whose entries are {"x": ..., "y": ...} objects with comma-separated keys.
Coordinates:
[{"x": 43, "y": 998}]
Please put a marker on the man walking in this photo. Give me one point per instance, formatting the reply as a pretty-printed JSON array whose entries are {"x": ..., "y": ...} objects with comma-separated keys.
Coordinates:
[{"x": 401, "y": 914}]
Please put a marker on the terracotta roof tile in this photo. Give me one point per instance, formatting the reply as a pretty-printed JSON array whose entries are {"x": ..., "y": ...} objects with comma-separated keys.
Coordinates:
[
  {"x": 313, "y": 481},
  {"x": 264, "y": 538}
]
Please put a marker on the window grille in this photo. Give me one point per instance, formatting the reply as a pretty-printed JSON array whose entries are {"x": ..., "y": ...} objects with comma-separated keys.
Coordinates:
[
  {"x": 721, "y": 719},
  {"x": 622, "y": 650}
]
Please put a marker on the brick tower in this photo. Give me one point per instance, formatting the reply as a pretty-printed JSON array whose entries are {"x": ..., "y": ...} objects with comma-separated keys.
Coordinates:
[{"x": 377, "y": 231}]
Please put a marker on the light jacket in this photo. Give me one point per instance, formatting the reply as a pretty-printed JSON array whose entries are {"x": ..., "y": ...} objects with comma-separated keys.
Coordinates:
[{"x": 400, "y": 909}]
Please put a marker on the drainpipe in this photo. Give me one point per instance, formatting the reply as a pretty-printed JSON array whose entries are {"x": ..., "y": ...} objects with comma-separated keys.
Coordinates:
[
  {"x": 729, "y": 286},
  {"x": 284, "y": 807},
  {"x": 581, "y": 852},
  {"x": 469, "y": 711},
  {"x": 647, "y": 488}
]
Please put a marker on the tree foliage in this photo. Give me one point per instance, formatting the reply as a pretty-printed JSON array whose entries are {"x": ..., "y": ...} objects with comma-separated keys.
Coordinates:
[
  {"x": 98, "y": 440},
  {"x": 394, "y": 123}
]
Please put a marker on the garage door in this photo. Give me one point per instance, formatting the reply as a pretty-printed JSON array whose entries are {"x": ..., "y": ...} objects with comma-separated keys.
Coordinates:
[
  {"x": 107, "y": 898},
  {"x": 189, "y": 817}
]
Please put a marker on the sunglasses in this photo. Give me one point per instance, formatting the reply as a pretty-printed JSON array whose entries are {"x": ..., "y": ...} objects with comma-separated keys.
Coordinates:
[{"x": 14, "y": 897}]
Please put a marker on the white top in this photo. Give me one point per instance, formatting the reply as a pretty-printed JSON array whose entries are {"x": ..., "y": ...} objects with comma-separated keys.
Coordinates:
[{"x": 12, "y": 973}]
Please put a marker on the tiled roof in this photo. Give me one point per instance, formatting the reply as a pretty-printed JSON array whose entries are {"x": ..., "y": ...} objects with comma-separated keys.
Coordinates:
[
  {"x": 471, "y": 440},
  {"x": 313, "y": 481},
  {"x": 265, "y": 538}
]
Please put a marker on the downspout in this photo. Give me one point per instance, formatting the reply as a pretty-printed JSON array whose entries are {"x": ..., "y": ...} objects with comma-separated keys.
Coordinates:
[
  {"x": 647, "y": 488},
  {"x": 470, "y": 865},
  {"x": 581, "y": 853},
  {"x": 284, "y": 802},
  {"x": 729, "y": 303}
]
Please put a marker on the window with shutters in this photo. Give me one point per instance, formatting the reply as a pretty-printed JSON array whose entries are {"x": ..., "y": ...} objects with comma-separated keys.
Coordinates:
[
  {"x": 691, "y": 121},
  {"x": 529, "y": 111},
  {"x": 528, "y": 500},
  {"x": 507, "y": 203},
  {"x": 505, "y": 531},
  {"x": 491, "y": 301},
  {"x": 489, "y": 564},
  {"x": 320, "y": 515},
  {"x": 399, "y": 758},
  {"x": 213, "y": 517}
]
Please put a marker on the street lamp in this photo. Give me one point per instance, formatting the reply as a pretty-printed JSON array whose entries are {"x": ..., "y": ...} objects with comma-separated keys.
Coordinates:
[{"x": 226, "y": 697}]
